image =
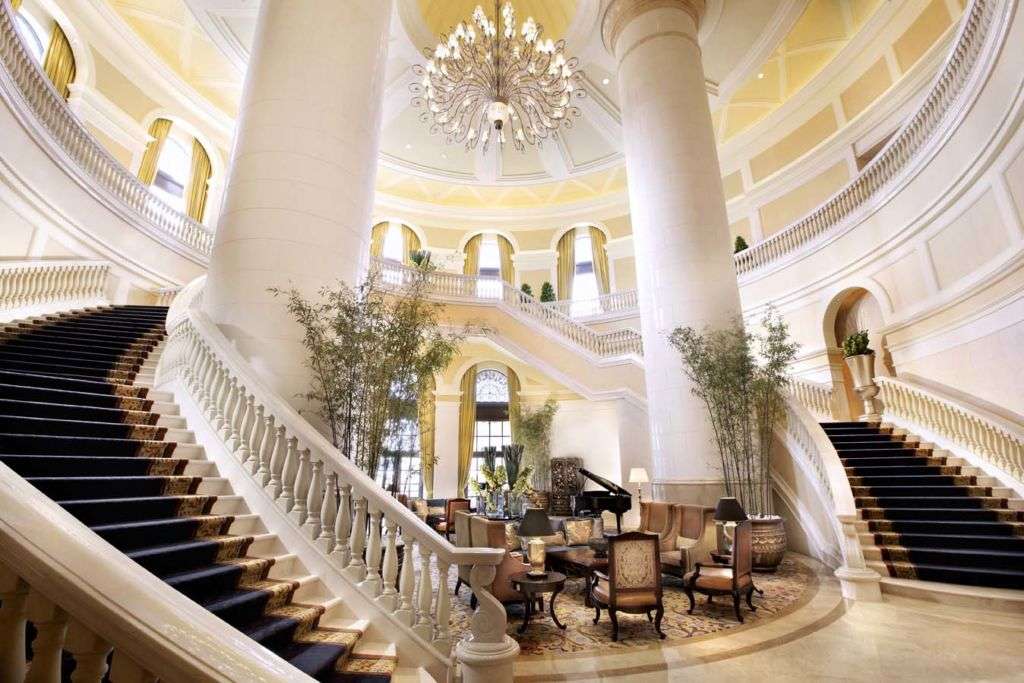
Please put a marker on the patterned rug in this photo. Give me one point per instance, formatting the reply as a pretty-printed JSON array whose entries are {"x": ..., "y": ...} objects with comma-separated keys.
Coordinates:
[{"x": 785, "y": 590}]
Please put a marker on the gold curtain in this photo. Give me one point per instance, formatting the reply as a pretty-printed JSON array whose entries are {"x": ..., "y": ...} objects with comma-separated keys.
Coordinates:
[
  {"x": 377, "y": 239},
  {"x": 198, "y": 182},
  {"x": 158, "y": 131},
  {"x": 566, "y": 264},
  {"x": 15, "y": 5},
  {"x": 508, "y": 269},
  {"x": 471, "y": 266},
  {"x": 410, "y": 243},
  {"x": 59, "y": 62},
  {"x": 425, "y": 409},
  {"x": 467, "y": 426},
  {"x": 597, "y": 242},
  {"x": 513, "y": 401}
]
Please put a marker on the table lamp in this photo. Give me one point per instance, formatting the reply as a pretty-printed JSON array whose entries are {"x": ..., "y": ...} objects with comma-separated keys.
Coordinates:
[
  {"x": 534, "y": 525},
  {"x": 728, "y": 512},
  {"x": 638, "y": 475}
]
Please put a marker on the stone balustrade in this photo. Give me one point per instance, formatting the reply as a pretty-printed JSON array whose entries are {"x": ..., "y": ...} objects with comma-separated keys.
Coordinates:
[
  {"x": 995, "y": 440},
  {"x": 817, "y": 398},
  {"x": 625, "y": 302},
  {"x": 38, "y": 286},
  {"x": 383, "y": 548}
]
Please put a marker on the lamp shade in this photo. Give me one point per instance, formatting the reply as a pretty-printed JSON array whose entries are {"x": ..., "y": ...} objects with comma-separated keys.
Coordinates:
[
  {"x": 535, "y": 523},
  {"x": 638, "y": 475},
  {"x": 729, "y": 510}
]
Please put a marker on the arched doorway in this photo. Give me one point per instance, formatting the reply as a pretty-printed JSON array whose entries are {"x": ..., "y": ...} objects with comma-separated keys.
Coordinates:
[{"x": 852, "y": 310}]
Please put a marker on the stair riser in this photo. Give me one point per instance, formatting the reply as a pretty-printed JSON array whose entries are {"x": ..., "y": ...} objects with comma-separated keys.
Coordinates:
[
  {"x": 94, "y": 513},
  {"x": 27, "y": 444},
  {"x": 966, "y": 577},
  {"x": 938, "y": 527},
  {"x": 196, "y": 554},
  {"x": 179, "y": 530},
  {"x": 31, "y": 381},
  {"x": 105, "y": 430},
  {"x": 56, "y": 411},
  {"x": 113, "y": 487},
  {"x": 962, "y": 560},
  {"x": 963, "y": 502},
  {"x": 69, "y": 466}
]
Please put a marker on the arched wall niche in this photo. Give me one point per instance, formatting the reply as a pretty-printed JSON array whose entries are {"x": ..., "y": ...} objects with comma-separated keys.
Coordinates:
[{"x": 851, "y": 310}]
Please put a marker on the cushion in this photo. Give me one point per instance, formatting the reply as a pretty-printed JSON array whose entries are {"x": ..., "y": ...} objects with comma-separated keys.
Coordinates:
[
  {"x": 578, "y": 531},
  {"x": 512, "y": 542},
  {"x": 435, "y": 510},
  {"x": 638, "y": 599},
  {"x": 717, "y": 578}
]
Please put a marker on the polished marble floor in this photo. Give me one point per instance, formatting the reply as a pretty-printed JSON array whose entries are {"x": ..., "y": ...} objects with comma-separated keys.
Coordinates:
[{"x": 827, "y": 639}]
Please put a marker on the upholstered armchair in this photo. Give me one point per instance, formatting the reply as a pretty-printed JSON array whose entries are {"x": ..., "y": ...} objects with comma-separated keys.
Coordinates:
[
  {"x": 451, "y": 506},
  {"x": 633, "y": 581},
  {"x": 489, "y": 533},
  {"x": 463, "y": 539},
  {"x": 692, "y": 539},
  {"x": 657, "y": 518},
  {"x": 733, "y": 579}
]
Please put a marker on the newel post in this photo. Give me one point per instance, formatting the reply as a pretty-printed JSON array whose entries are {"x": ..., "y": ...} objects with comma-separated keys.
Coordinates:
[{"x": 486, "y": 655}]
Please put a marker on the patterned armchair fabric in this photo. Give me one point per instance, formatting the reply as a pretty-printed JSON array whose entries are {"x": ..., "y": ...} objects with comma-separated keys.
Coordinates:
[{"x": 633, "y": 582}]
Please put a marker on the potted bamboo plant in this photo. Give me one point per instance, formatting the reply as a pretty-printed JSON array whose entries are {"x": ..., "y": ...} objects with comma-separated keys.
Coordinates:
[
  {"x": 534, "y": 431},
  {"x": 741, "y": 379},
  {"x": 860, "y": 359}
]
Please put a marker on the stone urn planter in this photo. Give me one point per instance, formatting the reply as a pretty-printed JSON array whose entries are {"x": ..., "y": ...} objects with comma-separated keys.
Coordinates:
[
  {"x": 768, "y": 539},
  {"x": 862, "y": 369}
]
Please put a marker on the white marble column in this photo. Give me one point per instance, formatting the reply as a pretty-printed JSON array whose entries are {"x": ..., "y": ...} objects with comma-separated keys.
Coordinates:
[
  {"x": 685, "y": 273},
  {"x": 297, "y": 205}
]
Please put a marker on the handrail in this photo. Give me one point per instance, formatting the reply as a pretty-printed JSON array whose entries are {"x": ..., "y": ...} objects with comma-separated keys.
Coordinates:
[
  {"x": 814, "y": 453},
  {"x": 625, "y": 301},
  {"x": 87, "y": 598},
  {"x": 894, "y": 159},
  {"x": 458, "y": 287},
  {"x": 348, "y": 516},
  {"x": 988, "y": 436},
  {"x": 77, "y": 148},
  {"x": 35, "y": 286},
  {"x": 817, "y": 398}
]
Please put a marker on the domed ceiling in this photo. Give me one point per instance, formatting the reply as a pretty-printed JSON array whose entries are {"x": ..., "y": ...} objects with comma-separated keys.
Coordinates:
[{"x": 756, "y": 55}]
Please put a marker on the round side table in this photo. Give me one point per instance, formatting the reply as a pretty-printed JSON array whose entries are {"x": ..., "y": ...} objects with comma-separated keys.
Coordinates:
[{"x": 531, "y": 587}]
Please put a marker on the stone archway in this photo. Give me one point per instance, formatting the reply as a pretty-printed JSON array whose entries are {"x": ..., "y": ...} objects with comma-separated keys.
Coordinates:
[{"x": 851, "y": 310}]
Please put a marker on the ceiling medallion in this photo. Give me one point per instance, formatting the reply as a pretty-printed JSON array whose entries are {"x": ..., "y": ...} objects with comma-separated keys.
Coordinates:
[{"x": 517, "y": 83}]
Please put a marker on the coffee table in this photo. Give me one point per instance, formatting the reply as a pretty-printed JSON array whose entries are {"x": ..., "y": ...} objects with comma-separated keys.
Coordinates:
[
  {"x": 531, "y": 587},
  {"x": 581, "y": 561}
]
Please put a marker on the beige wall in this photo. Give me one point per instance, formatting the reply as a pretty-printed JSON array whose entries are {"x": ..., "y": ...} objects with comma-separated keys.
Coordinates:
[{"x": 780, "y": 212}]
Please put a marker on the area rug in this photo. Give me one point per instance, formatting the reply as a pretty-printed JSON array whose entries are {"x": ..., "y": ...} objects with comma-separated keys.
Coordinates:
[{"x": 791, "y": 586}]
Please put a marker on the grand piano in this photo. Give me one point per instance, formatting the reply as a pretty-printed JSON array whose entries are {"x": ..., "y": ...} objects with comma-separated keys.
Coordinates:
[{"x": 614, "y": 499}]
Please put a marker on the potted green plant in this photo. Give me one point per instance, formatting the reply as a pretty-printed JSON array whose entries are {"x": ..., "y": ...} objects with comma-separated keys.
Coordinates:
[
  {"x": 533, "y": 430},
  {"x": 517, "y": 475},
  {"x": 739, "y": 245},
  {"x": 526, "y": 289},
  {"x": 860, "y": 359},
  {"x": 741, "y": 379},
  {"x": 547, "y": 293}
]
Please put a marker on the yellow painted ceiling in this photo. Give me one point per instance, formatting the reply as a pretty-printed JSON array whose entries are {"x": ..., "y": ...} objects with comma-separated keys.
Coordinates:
[
  {"x": 825, "y": 27},
  {"x": 441, "y": 16}
]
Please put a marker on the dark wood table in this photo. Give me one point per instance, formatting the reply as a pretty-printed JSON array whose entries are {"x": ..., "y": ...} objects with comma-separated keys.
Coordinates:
[
  {"x": 581, "y": 561},
  {"x": 531, "y": 587}
]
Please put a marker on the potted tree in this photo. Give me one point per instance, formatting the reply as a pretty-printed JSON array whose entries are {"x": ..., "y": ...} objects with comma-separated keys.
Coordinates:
[
  {"x": 741, "y": 379},
  {"x": 860, "y": 359},
  {"x": 533, "y": 427}
]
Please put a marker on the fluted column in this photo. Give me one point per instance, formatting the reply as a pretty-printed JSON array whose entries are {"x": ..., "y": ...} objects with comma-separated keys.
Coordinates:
[
  {"x": 680, "y": 230},
  {"x": 300, "y": 191}
]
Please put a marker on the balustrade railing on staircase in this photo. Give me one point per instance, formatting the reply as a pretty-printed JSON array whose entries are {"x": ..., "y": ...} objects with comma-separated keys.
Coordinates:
[
  {"x": 70, "y": 142},
  {"x": 817, "y": 398},
  {"x": 617, "y": 302},
  {"x": 31, "y": 287},
  {"x": 351, "y": 520},
  {"x": 979, "y": 432},
  {"x": 455, "y": 286},
  {"x": 894, "y": 160}
]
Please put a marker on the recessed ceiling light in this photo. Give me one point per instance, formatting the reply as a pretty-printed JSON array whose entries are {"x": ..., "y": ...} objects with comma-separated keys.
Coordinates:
[
  {"x": 760, "y": 75},
  {"x": 443, "y": 155},
  {"x": 408, "y": 146},
  {"x": 606, "y": 81}
]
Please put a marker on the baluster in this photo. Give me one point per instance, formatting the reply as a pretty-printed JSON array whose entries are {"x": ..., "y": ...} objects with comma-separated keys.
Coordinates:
[
  {"x": 291, "y": 469},
  {"x": 245, "y": 428},
  {"x": 424, "y": 621},
  {"x": 389, "y": 593},
  {"x": 51, "y": 624},
  {"x": 255, "y": 439},
  {"x": 266, "y": 446},
  {"x": 13, "y": 599},
  {"x": 406, "y": 581},
  {"x": 277, "y": 463},
  {"x": 230, "y": 408},
  {"x": 220, "y": 403},
  {"x": 314, "y": 501},
  {"x": 90, "y": 653},
  {"x": 442, "y": 629},
  {"x": 328, "y": 515},
  {"x": 356, "y": 568},
  {"x": 302, "y": 482},
  {"x": 371, "y": 584},
  {"x": 342, "y": 553}
]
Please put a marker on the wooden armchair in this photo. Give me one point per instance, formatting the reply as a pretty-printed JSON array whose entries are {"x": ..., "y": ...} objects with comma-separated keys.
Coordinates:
[
  {"x": 692, "y": 539},
  {"x": 733, "y": 579},
  {"x": 451, "y": 506},
  {"x": 633, "y": 582}
]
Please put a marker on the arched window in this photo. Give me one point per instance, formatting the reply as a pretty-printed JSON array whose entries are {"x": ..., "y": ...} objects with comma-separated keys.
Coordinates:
[
  {"x": 394, "y": 245},
  {"x": 32, "y": 35},
  {"x": 399, "y": 469},
  {"x": 172, "y": 173},
  {"x": 584, "y": 286},
  {"x": 493, "y": 428}
]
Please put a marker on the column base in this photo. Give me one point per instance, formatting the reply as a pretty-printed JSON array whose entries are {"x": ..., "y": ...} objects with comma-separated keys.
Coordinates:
[
  {"x": 486, "y": 662},
  {"x": 864, "y": 585}
]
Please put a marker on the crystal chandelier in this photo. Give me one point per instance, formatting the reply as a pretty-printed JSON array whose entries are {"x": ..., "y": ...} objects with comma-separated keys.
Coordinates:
[{"x": 517, "y": 83}]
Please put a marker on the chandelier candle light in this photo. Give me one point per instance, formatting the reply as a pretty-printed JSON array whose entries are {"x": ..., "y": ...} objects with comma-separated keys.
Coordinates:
[{"x": 515, "y": 82}]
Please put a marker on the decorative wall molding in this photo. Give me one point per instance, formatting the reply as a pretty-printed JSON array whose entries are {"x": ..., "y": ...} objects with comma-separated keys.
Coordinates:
[{"x": 90, "y": 105}]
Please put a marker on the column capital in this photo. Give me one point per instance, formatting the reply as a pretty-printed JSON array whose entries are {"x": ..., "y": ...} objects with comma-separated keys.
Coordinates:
[{"x": 621, "y": 12}]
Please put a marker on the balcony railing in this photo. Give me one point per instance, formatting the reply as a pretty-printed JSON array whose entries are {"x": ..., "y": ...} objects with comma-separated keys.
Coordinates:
[{"x": 606, "y": 304}]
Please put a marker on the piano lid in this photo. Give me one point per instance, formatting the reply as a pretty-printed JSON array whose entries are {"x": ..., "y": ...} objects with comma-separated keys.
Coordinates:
[{"x": 598, "y": 479}]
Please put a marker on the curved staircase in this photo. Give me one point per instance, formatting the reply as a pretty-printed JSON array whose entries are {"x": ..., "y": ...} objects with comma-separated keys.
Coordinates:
[
  {"x": 927, "y": 516},
  {"x": 76, "y": 425}
]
